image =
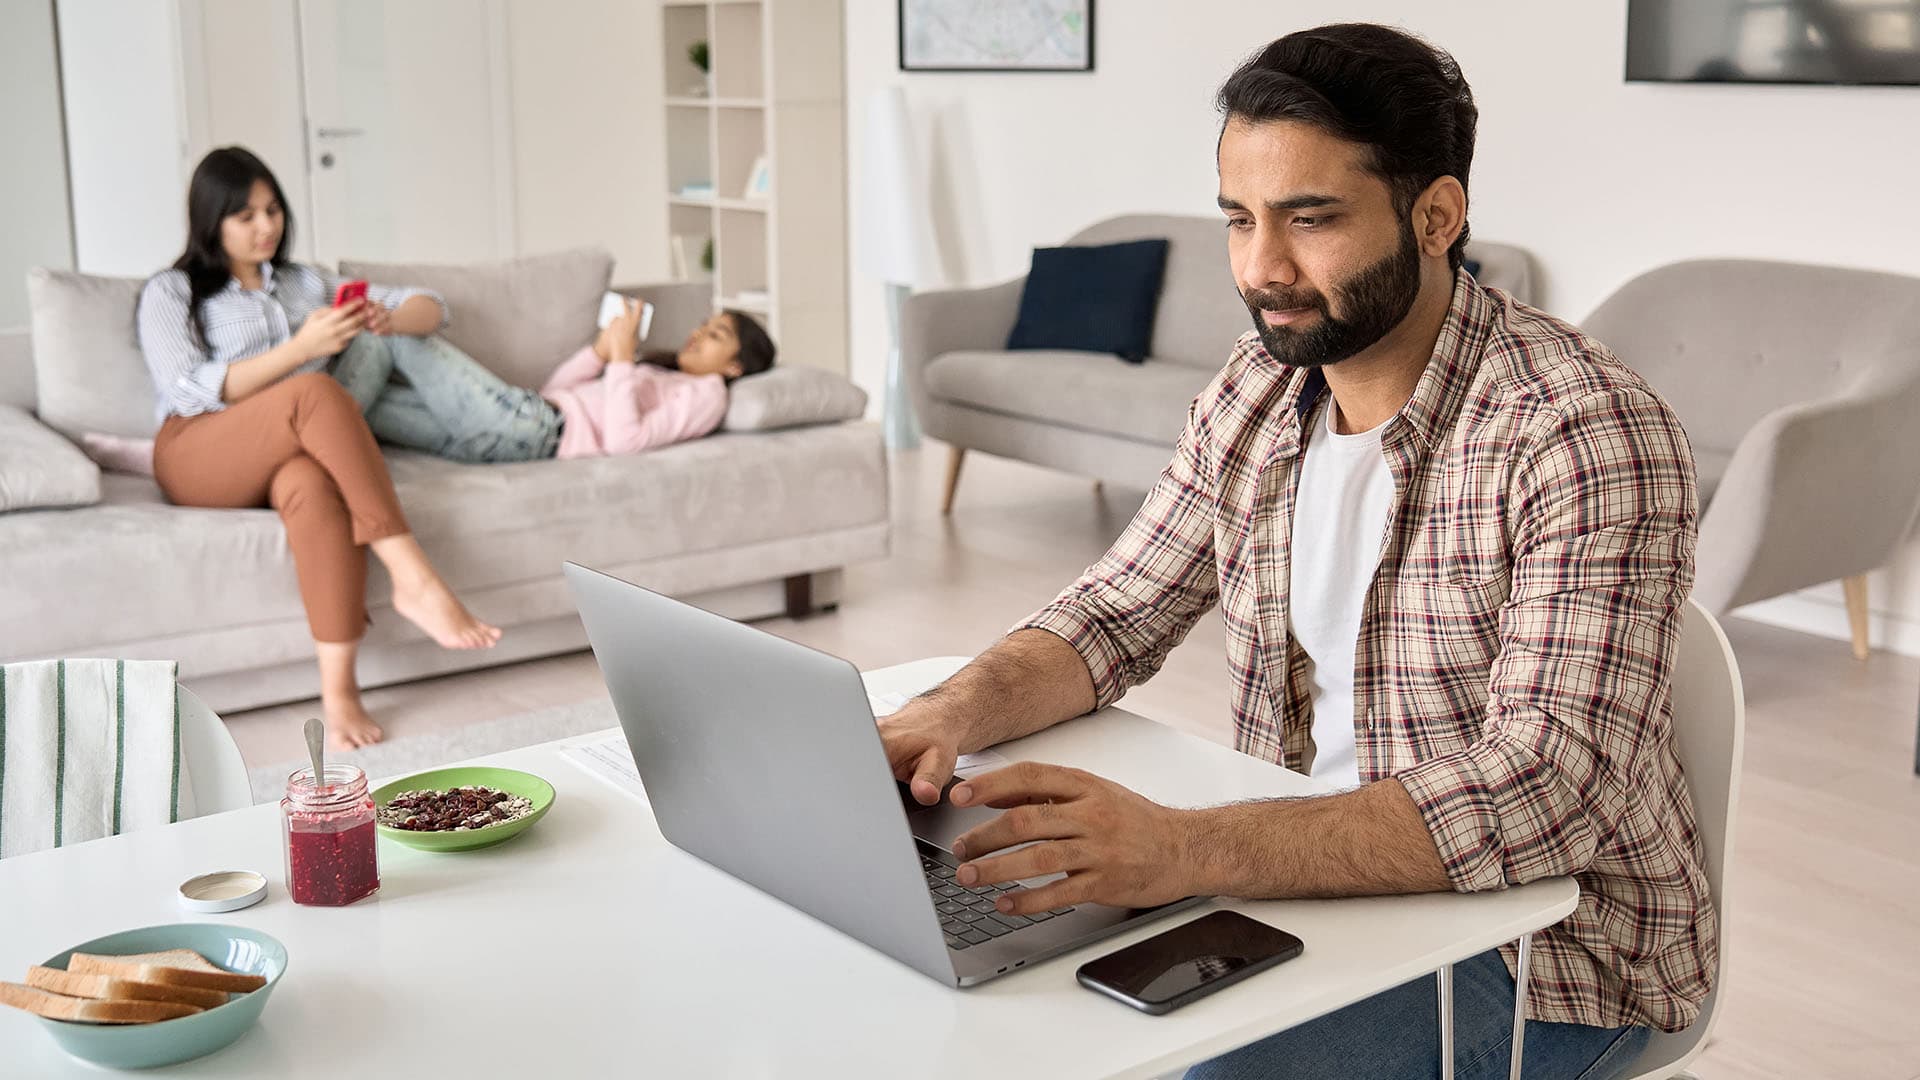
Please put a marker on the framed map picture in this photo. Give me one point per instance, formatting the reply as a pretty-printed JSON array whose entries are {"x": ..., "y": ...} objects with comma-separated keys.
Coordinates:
[{"x": 996, "y": 35}]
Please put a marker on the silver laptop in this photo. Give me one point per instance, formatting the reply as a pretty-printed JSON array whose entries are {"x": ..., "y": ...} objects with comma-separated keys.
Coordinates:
[{"x": 761, "y": 757}]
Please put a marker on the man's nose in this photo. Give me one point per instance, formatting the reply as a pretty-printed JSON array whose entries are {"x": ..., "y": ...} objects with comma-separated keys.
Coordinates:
[{"x": 1268, "y": 262}]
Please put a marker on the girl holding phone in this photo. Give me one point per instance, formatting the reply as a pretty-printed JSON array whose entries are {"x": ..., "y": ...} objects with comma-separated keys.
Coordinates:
[{"x": 237, "y": 338}]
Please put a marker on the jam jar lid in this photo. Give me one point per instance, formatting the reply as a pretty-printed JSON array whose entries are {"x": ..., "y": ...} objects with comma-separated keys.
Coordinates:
[{"x": 223, "y": 890}]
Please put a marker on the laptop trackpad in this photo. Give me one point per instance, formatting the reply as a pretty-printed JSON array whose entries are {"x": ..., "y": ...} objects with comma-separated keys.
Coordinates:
[{"x": 943, "y": 823}]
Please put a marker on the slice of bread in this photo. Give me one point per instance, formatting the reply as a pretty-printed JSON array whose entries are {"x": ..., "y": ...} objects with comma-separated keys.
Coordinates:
[
  {"x": 180, "y": 958},
  {"x": 87, "y": 1010},
  {"x": 140, "y": 969},
  {"x": 106, "y": 987}
]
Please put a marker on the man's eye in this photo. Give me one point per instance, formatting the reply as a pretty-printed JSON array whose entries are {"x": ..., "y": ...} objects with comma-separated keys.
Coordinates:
[{"x": 1239, "y": 223}]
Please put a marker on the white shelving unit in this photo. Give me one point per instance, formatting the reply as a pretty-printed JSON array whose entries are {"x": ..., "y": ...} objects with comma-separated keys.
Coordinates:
[{"x": 774, "y": 92}]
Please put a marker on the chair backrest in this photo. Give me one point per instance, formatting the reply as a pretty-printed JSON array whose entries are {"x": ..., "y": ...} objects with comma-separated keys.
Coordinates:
[
  {"x": 210, "y": 759},
  {"x": 1709, "y": 727},
  {"x": 1201, "y": 314},
  {"x": 1727, "y": 341}
]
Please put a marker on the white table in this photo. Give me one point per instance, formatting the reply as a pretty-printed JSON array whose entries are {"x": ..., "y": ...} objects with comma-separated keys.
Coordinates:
[{"x": 591, "y": 947}]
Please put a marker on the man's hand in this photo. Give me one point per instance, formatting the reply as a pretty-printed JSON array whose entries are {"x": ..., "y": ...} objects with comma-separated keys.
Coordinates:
[
  {"x": 1116, "y": 847},
  {"x": 922, "y": 746}
]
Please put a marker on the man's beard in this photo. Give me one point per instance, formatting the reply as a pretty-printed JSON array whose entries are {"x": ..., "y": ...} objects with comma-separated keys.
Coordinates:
[{"x": 1373, "y": 301}]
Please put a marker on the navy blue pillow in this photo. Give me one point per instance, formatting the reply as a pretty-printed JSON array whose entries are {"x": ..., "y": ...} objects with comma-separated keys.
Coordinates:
[
  {"x": 1095, "y": 299},
  {"x": 1472, "y": 267}
]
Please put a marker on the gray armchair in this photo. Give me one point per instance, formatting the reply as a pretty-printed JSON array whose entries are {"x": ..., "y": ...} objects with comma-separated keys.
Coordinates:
[
  {"x": 1090, "y": 413},
  {"x": 1799, "y": 387}
]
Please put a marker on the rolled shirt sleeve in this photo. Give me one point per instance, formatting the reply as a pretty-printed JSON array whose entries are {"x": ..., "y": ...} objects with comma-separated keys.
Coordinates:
[
  {"x": 387, "y": 296},
  {"x": 186, "y": 380},
  {"x": 1129, "y": 610},
  {"x": 1604, "y": 524}
]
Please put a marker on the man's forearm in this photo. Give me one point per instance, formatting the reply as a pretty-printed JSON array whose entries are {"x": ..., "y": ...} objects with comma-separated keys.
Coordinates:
[
  {"x": 1030, "y": 680},
  {"x": 1370, "y": 842}
]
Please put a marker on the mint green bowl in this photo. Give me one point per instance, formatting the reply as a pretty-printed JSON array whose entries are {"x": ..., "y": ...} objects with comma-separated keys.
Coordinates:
[
  {"x": 512, "y": 781},
  {"x": 144, "y": 1046}
]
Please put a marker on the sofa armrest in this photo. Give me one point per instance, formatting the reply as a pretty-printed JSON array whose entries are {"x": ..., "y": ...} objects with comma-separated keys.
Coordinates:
[
  {"x": 935, "y": 323},
  {"x": 678, "y": 307},
  {"x": 1816, "y": 491}
]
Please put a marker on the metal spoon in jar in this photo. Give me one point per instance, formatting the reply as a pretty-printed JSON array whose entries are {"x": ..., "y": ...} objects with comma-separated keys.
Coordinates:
[{"x": 316, "y": 737}]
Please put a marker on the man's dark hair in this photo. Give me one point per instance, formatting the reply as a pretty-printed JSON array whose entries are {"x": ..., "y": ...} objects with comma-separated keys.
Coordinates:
[{"x": 1385, "y": 89}]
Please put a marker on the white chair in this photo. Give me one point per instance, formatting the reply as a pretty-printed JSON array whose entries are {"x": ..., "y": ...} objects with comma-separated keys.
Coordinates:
[
  {"x": 215, "y": 771},
  {"x": 1709, "y": 726}
]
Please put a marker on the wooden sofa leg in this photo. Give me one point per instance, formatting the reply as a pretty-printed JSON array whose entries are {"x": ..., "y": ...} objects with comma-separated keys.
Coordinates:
[
  {"x": 955, "y": 455},
  {"x": 1856, "y": 590},
  {"x": 799, "y": 596}
]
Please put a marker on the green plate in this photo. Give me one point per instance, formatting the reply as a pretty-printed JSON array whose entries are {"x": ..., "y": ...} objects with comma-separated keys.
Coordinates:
[
  {"x": 512, "y": 781},
  {"x": 144, "y": 1046}
]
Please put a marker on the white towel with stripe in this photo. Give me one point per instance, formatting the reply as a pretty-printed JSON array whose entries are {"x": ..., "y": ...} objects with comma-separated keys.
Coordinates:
[{"x": 88, "y": 748}]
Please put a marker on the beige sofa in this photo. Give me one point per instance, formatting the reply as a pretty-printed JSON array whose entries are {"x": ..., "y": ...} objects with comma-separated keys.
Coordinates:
[
  {"x": 749, "y": 523},
  {"x": 1090, "y": 413}
]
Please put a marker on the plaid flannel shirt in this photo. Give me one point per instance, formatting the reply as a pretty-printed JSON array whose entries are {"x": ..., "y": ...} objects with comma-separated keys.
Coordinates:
[{"x": 1514, "y": 660}]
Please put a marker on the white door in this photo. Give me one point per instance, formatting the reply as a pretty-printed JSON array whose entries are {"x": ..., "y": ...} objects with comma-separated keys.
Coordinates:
[{"x": 408, "y": 140}]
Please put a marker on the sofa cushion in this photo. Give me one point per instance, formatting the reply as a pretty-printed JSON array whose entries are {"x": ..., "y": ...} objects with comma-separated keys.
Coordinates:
[
  {"x": 485, "y": 526},
  {"x": 1094, "y": 299},
  {"x": 520, "y": 317},
  {"x": 38, "y": 468},
  {"x": 86, "y": 357},
  {"x": 1089, "y": 391},
  {"x": 791, "y": 396}
]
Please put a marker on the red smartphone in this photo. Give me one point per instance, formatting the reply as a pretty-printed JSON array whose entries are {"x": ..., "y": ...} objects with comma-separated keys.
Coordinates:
[{"x": 348, "y": 292}]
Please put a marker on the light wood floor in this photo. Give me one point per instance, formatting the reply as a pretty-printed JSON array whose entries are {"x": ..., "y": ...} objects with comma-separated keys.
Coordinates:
[{"x": 1823, "y": 931}]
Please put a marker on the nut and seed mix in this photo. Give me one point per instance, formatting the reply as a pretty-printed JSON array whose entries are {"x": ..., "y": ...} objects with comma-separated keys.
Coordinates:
[{"x": 454, "y": 810}]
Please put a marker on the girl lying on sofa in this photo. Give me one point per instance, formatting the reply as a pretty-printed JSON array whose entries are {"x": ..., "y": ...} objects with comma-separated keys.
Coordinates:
[{"x": 613, "y": 399}]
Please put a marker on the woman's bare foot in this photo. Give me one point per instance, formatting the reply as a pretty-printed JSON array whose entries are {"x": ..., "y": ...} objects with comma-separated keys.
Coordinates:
[
  {"x": 348, "y": 725},
  {"x": 432, "y": 607}
]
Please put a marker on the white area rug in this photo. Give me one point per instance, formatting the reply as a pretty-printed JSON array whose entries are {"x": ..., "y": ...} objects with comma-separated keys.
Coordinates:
[{"x": 402, "y": 754}]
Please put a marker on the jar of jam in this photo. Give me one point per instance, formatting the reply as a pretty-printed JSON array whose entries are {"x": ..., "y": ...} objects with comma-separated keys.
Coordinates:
[{"x": 329, "y": 833}]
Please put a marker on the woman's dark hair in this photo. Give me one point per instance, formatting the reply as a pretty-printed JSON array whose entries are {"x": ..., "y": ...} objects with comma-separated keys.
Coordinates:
[
  {"x": 222, "y": 183},
  {"x": 1403, "y": 99},
  {"x": 756, "y": 345}
]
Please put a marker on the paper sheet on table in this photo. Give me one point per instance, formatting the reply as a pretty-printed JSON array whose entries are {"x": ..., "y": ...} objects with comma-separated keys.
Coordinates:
[
  {"x": 604, "y": 754},
  {"x": 968, "y": 766}
]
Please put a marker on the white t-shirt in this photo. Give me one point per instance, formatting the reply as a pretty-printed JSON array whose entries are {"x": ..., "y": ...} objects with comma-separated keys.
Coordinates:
[{"x": 1339, "y": 521}]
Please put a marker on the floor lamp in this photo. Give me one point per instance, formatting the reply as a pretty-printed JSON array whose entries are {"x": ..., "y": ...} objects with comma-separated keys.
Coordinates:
[{"x": 896, "y": 239}]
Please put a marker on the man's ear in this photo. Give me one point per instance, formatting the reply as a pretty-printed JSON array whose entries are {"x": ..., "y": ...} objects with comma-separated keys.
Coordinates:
[{"x": 1439, "y": 214}]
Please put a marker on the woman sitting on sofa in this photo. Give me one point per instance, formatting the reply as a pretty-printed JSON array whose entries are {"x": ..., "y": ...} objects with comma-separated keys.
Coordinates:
[{"x": 236, "y": 338}]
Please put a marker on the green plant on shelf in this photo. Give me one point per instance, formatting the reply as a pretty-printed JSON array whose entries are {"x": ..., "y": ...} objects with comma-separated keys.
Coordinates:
[
  {"x": 706, "y": 256},
  {"x": 697, "y": 52}
]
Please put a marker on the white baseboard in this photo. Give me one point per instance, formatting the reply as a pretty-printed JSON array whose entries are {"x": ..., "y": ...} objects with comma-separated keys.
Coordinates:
[{"x": 1827, "y": 618}]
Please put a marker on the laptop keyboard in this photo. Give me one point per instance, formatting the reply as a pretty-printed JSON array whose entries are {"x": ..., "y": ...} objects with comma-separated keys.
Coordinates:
[{"x": 967, "y": 916}]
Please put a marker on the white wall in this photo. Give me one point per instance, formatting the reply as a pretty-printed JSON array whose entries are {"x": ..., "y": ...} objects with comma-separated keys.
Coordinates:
[
  {"x": 126, "y": 133},
  {"x": 1599, "y": 179},
  {"x": 589, "y": 131},
  {"x": 34, "y": 229}
]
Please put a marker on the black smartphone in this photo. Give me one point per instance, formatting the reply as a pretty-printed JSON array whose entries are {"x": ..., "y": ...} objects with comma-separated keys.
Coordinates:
[{"x": 1190, "y": 961}]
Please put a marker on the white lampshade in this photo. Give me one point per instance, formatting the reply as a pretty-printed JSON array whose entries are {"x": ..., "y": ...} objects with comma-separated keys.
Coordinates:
[{"x": 896, "y": 236}]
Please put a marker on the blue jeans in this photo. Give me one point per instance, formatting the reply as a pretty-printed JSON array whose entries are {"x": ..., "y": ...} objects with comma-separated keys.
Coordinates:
[
  {"x": 450, "y": 405},
  {"x": 1396, "y": 1036}
]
